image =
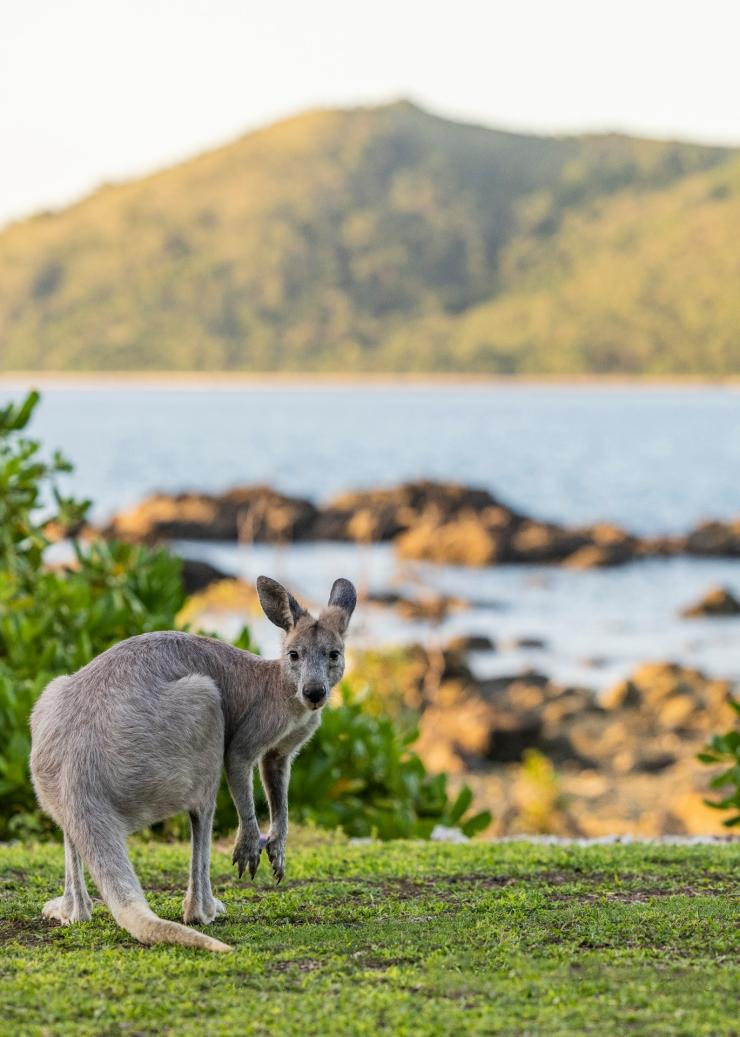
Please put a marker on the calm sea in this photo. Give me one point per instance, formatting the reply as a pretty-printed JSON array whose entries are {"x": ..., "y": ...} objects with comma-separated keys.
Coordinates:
[{"x": 653, "y": 459}]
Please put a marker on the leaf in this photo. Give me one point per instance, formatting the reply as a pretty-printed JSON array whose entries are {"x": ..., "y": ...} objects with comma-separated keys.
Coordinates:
[{"x": 477, "y": 823}]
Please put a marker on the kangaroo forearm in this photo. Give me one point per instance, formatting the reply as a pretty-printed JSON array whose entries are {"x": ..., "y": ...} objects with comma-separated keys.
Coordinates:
[
  {"x": 275, "y": 772},
  {"x": 239, "y": 776}
]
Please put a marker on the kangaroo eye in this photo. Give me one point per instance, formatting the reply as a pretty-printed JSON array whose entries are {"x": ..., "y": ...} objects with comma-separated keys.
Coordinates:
[
  {"x": 293, "y": 656},
  {"x": 334, "y": 655}
]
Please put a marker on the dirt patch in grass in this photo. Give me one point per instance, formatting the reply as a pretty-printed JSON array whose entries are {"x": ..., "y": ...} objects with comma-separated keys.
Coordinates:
[
  {"x": 639, "y": 896},
  {"x": 452, "y": 888},
  {"x": 12, "y": 876},
  {"x": 301, "y": 964},
  {"x": 28, "y": 931}
]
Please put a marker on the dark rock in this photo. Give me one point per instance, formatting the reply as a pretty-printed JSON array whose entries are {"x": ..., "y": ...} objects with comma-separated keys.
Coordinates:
[
  {"x": 494, "y": 689},
  {"x": 511, "y": 736},
  {"x": 446, "y": 523},
  {"x": 717, "y": 602},
  {"x": 715, "y": 539},
  {"x": 433, "y": 607},
  {"x": 455, "y": 667},
  {"x": 544, "y": 542},
  {"x": 247, "y": 514},
  {"x": 381, "y": 515},
  {"x": 651, "y": 762},
  {"x": 197, "y": 575},
  {"x": 471, "y": 643},
  {"x": 606, "y": 545},
  {"x": 529, "y": 642}
]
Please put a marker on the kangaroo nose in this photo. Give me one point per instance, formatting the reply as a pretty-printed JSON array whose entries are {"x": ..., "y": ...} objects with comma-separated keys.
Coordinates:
[{"x": 315, "y": 693}]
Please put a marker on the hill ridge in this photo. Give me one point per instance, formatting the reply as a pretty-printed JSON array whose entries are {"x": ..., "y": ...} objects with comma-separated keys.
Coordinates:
[{"x": 389, "y": 238}]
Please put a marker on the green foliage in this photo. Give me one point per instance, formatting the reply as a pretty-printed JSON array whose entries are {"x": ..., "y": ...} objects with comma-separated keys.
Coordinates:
[
  {"x": 358, "y": 773},
  {"x": 408, "y": 242},
  {"x": 55, "y": 619},
  {"x": 725, "y": 751}
]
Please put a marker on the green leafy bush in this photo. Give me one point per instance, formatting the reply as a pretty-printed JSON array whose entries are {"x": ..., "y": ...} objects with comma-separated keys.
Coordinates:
[
  {"x": 358, "y": 773},
  {"x": 725, "y": 750}
]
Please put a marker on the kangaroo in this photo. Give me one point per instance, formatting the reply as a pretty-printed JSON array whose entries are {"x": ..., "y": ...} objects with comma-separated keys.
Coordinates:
[{"x": 143, "y": 731}]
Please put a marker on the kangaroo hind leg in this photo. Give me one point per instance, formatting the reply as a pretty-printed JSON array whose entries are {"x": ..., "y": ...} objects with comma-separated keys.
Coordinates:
[
  {"x": 74, "y": 905},
  {"x": 200, "y": 905},
  {"x": 105, "y": 853}
]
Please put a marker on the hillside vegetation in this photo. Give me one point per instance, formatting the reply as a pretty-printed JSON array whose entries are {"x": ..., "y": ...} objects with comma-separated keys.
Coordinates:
[{"x": 389, "y": 239}]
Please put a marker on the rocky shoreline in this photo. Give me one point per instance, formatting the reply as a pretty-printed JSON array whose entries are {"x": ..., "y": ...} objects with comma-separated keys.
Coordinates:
[
  {"x": 542, "y": 755},
  {"x": 430, "y": 521},
  {"x": 551, "y": 758}
]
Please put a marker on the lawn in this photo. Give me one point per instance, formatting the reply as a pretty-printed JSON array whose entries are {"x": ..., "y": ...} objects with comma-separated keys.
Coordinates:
[{"x": 403, "y": 938}]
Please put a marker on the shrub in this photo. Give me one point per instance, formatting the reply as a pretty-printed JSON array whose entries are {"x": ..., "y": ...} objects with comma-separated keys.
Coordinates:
[
  {"x": 725, "y": 750},
  {"x": 360, "y": 773}
]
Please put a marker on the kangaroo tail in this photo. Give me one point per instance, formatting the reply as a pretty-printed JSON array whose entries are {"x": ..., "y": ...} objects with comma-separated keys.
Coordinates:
[
  {"x": 139, "y": 920},
  {"x": 103, "y": 848}
]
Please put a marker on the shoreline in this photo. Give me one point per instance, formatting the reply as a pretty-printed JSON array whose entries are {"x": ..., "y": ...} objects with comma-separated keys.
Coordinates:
[{"x": 236, "y": 380}]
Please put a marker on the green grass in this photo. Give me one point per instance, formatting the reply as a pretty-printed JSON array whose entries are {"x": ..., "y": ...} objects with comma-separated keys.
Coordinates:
[{"x": 402, "y": 938}]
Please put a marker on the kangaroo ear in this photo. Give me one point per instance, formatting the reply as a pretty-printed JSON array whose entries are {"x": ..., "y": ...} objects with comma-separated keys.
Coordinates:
[
  {"x": 342, "y": 601},
  {"x": 279, "y": 605}
]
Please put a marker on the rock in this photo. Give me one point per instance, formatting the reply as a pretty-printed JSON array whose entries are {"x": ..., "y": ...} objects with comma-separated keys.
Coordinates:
[
  {"x": 510, "y": 736},
  {"x": 678, "y": 711},
  {"x": 670, "y": 697},
  {"x": 247, "y": 514},
  {"x": 223, "y": 598},
  {"x": 529, "y": 642},
  {"x": 444, "y": 834},
  {"x": 455, "y": 666},
  {"x": 475, "y": 531},
  {"x": 471, "y": 643},
  {"x": 434, "y": 607},
  {"x": 624, "y": 695},
  {"x": 498, "y": 689},
  {"x": 595, "y": 662},
  {"x": 595, "y": 556},
  {"x": 464, "y": 541},
  {"x": 381, "y": 515},
  {"x": 649, "y": 762},
  {"x": 440, "y": 522},
  {"x": 454, "y": 738},
  {"x": 716, "y": 602},
  {"x": 570, "y": 703},
  {"x": 715, "y": 538},
  {"x": 661, "y": 547},
  {"x": 197, "y": 575},
  {"x": 543, "y": 542}
]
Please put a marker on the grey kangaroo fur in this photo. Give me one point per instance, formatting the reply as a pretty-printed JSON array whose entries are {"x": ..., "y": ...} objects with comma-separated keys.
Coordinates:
[{"x": 143, "y": 731}]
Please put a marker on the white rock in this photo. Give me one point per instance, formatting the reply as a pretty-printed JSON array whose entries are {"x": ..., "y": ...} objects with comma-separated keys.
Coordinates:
[{"x": 443, "y": 834}]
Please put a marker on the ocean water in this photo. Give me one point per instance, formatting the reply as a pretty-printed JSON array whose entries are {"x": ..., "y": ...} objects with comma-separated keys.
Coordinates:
[{"x": 653, "y": 459}]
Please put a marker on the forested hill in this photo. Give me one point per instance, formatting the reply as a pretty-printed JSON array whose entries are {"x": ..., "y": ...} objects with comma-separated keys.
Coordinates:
[{"x": 389, "y": 239}]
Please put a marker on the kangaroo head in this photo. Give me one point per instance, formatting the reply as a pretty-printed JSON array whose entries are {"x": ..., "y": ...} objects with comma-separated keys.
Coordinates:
[{"x": 313, "y": 649}]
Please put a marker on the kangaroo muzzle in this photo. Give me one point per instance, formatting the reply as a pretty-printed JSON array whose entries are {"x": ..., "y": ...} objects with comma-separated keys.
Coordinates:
[{"x": 315, "y": 694}]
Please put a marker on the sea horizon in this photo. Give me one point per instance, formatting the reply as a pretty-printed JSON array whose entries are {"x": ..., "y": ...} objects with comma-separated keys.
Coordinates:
[{"x": 214, "y": 380}]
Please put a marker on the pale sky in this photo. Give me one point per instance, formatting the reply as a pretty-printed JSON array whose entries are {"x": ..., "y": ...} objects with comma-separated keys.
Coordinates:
[{"x": 98, "y": 90}]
